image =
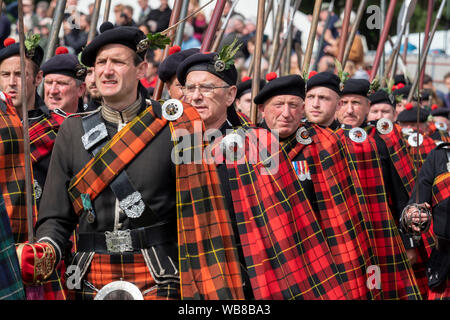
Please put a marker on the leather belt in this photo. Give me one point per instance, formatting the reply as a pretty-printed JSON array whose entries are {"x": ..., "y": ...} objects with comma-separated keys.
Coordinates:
[{"x": 127, "y": 240}]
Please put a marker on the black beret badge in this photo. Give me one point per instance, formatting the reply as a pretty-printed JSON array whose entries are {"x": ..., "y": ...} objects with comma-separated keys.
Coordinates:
[
  {"x": 225, "y": 58},
  {"x": 152, "y": 42},
  {"x": 80, "y": 68}
]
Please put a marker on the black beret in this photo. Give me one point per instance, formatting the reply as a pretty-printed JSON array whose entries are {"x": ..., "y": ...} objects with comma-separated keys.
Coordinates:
[
  {"x": 443, "y": 112},
  {"x": 246, "y": 86},
  {"x": 400, "y": 78},
  {"x": 206, "y": 62},
  {"x": 356, "y": 86},
  {"x": 411, "y": 115},
  {"x": 288, "y": 85},
  {"x": 402, "y": 91},
  {"x": 168, "y": 68},
  {"x": 12, "y": 48},
  {"x": 64, "y": 63},
  {"x": 324, "y": 79},
  {"x": 382, "y": 96},
  {"x": 125, "y": 35}
]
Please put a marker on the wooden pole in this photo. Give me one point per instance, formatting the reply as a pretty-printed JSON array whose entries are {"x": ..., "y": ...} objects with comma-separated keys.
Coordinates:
[
  {"x": 173, "y": 18},
  {"x": 94, "y": 20},
  {"x": 107, "y": 9},
  {"x": 425, "y": 40},
  {"x": 221, "y": 32},
  {"x": 355, "y": 26},
  {"x": 212, "y": 26},
  {"x": 344, "y": 33},
  {"x": 257, "y": 59},
  {"x": 311, "y": 36},
  {"x": 276, "y": 36},
  {"x": 180, "y": 30},
  {"x": 425, "y": 51},
  {"x": 26, "y": 135},
  {"x": 322, "y": 36},
  {"x": 383, "y": 37}
]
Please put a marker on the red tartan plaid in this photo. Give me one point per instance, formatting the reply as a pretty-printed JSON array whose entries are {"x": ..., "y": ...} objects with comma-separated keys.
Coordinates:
[
  {"x": 286, "y": 253},
  {"x": 43, "y": 135},
  {"x": 12, "y": 172},
  {"x": 400, "y": 157},
  {"x": 106, "y": 268},
  {"x": 397, "y": 277}
]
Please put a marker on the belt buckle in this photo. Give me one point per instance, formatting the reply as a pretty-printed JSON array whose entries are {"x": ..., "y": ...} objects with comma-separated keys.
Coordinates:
[{"x": 118, "y": 241}]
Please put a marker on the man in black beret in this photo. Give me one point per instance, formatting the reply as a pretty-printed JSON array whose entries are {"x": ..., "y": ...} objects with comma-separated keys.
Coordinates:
[
  {"x": 114, "y": 177},
  {"x": 322, "y": 99},
  {"x": 10, "y": 74},
  {"x": 402, "y": 95},
  {"x": 408, "y": 118},
  {"x": 281, "y": 103},
  {"x": 64, "y": 85},
  {"x": 167, "y": 70},
  {"x": 244, "y": 97},
  {"x": 382, "y": 105},
  {"x": 354, "y": 104}
]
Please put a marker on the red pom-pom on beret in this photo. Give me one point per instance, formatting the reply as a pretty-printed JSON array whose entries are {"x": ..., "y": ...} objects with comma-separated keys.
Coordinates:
[
  {"x": 8, "y": 41},
  {"x": 409, "y": 106},
  {"x": 61, "y": 50},
  {"x": 271, "y": 75},
  {"x": 312, "y": 74},
  {"x": 174, "y": 49}
]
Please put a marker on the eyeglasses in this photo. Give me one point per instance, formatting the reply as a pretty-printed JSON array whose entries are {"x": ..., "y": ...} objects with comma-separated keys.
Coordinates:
[{"x": 205, "y": 90}]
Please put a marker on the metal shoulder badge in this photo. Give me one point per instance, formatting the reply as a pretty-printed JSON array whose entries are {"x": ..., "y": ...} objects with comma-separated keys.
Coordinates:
[
  {"x": 384, "y": 126},
  {"x": 172, "y": 109},
  {"x": 412, "y": 140},
  {"x": 357, "y": 134},
  {"x": 302, "y": 136}
]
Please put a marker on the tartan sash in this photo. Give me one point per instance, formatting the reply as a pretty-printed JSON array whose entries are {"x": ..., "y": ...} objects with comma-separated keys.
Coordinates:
[
  {"x": 400, "y": 158},
  {"x": 208, "y": 258},
  {"x": 397, "y": 277},
  {"x": 42, "y": 136},
  {"x": 286, "y": 253},
  {"x": 12, "y": 172},
  {"x": 436, "y": 134},
  {"x": 114, "y": 156},
  {"x": 441, "y": 188}
]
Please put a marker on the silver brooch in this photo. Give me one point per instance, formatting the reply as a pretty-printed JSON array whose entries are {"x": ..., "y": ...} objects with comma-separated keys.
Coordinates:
[
  {"x": 233, "y": 146},
  {"x": 219, "y": 66},
  {"x": 412, "y": 140},
  {"x": 384, "y": 126},
  {"x": 357, "y": 135},
  {"x": 80, "y": 71},
  {"x": 441, "y": 126},
  {"x": 172, "y": 109},
  {"x": 303, "y": 136},
  {"x": 116, "y": 289},
  {"x": 392, "y": 98},
  {"x": 142, "y": 45}
]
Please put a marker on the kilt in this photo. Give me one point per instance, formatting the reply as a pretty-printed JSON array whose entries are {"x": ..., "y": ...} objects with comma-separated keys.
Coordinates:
[
  {"x": 11, "y": 287},
  {"x": 131, "y": 267},
  {"x": 286, "y": 252}
]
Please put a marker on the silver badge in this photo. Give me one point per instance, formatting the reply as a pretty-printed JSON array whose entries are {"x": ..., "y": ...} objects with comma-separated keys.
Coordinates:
[
  {"x": 412, "y": 140},
  {"x": 302, "y": 136},
  {"x": 219, "y": 66},
  {"x": 233, "y": 146},
  {"x": 357, "y": 135},
  {"x": 384, "y": 126},
  {"x": 172, "y": 109},
  {"x": 119, "y": 290},
  {"x": 118, "y": 241},
  {"x": 37, "y": 190},
  {"x": 96, "y": 134},
  {"x": 441, "y": 126},
  {"x": 132, "y": 205},
  {"x": 392, "y": 99}
]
